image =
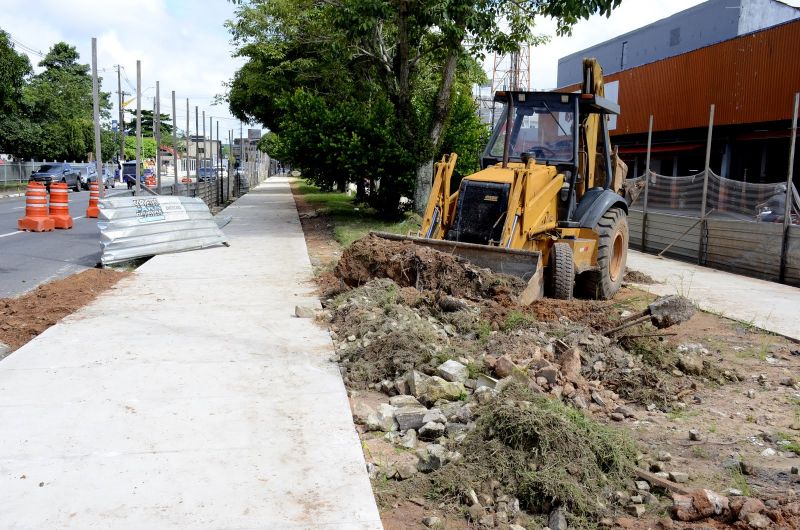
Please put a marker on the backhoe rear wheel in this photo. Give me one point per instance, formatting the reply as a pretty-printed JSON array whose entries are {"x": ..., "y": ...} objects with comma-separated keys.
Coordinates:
[
  {"x": 561, "y": 273},
  {"x": 612, "y": 254}
]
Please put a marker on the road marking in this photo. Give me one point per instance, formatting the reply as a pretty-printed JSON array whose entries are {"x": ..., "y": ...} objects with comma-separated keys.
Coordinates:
[
  {"x": 82, "y": 216},
  {"x": 12, "y": 233},
  {"x": 18, "y": 208}
]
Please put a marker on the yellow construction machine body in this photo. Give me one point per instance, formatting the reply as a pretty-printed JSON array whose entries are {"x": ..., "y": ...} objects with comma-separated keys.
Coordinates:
[{"x": 546, "y": 206}]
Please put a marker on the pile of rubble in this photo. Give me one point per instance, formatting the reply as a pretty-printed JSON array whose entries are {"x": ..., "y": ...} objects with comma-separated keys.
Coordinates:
[{"x": 500, "y": 418}]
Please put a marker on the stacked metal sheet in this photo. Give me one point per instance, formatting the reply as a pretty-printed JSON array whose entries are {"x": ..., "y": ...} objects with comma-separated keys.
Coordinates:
[{"x": 142, "y": 226}]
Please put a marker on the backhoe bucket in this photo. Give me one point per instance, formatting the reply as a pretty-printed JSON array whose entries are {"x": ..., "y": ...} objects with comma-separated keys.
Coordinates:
[{"x": 523, "y": 264}]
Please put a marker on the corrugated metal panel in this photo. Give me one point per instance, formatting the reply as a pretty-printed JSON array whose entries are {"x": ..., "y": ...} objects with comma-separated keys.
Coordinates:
[
  {"x": 748, "y": 248},
  {"x": 136, "y": 227},
  {"x": 793, "y": 257},
  {"x": 750, "y": 79}
]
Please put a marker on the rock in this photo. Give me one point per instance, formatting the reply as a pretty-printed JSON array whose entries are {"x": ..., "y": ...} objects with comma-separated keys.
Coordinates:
[
  {"x": 450, "y": 410},
  {"x": 472, "y": 498},
  {"x": 485, "y": 500},
  {"x": 678, "y": 477},
  {"x": 757, "y": 520},
  {"x": 699, "y": 505},
  {"x": 642, "y": 485},
  {"x": 501, "y": 518},
  {"x": 504, "y": 367},
  {"x": 361, "y": 412},
  {"x": 694, "y": 435},
  {"x": 744, "y": 506},
  {"x": 579, "y": 402},
  {"x": 404, "y": 401},
  {"x": 692, "y": 347},
  {"x": 625, "y": 411},
  {"x": 570, "y": 361},
  {"x": 453, "y": 371},
  {"x": 351, "y": 338},
  {"x": 435, "y": 416},
  {"x": 410, "y": 417},
  {"x": 733, "y": 492},
  {"x": 433, "y": 522},
  {"x": 431, "y": 430},
  {"x": 597, "y": 398},
  {"x": 417, "y": 383},
  {"x": 431, "y": 458},
  {"x": 516, "y": 527},
  {"x": 409, "y": 439},
  {"x": 690, "y": 364},
  {"x": 304, "y": 311},
  {"x": 455, "y": 429},
  {"x": 549, "y": 374},
  {"x": 637, "y": 510},
  {"x": 405, "y": 470},
  {"x": 437, "y": 388},
  {"x": 788, "y": 381},
  {"x": 637, "y": 499},
  {"x": 5, "y": 349},
  {"x": 746, "y": 468},
  {"x": 382, "y": 419},
  {"x": 616, "y": 416},
  {"x": 670, "y": 310},
  {"x": 485, "y": 395},
  {"x": 751, "y": 394},
  {"x": 484, "y": 381},
  {"x": 794, "y": 470},
  {"x": 557, "y": 519},
  {"x": 769, "y": 451},
  {"x": 475, "y": 513}
]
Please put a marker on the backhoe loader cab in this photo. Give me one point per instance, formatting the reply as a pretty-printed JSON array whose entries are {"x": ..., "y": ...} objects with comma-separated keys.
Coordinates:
[{"x": 546, "y": 204}]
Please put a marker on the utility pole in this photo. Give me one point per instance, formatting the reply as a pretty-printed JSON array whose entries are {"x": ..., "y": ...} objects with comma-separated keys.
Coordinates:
[
  {"x": 241, "y": 150},
  {"x": 174, "y": 145},
  {"x": 96, "y": 115},
  {"x": 157, "y": 132},
  {"x": 202, "y": 160},
  {"x": 186, "y": 157},
  {"x": 138, "y": 125},
  {"x": 121, "y": 125},
  {"x": 196, "y": 150}
]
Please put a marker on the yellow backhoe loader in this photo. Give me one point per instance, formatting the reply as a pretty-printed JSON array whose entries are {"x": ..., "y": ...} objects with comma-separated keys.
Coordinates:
[{"x": 547, "y": 205}]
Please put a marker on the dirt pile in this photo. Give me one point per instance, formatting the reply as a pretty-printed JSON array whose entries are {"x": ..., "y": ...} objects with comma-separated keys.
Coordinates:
[
  {"x": 25, "y": 317},
  {"x": 423, "y": 268}
]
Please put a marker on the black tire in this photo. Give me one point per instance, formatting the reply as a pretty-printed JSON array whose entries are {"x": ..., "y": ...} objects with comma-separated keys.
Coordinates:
[
  {"x": 76, "y": 188},
  {"x": 612, "y": 254},
  {"x": 561, "y": 272}
]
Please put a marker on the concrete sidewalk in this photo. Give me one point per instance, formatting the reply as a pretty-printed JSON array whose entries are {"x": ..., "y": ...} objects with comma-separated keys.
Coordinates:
[
  {"x": 768, "y": 305},
  {"x": 213, "y": 407}
]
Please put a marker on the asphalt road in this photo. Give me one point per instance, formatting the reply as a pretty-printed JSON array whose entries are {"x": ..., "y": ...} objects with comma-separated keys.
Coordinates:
[{"x": 28, "y": 259}]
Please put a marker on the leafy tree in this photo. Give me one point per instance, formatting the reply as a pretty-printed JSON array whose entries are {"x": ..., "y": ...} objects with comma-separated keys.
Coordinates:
[
  {"x": 147, "y": 124},
  {"x": 59, "y": 102},
  {"x": 414, "y": 56},
  {"x": 15, "y": 71},
  {"x": 148, "y": 148}
]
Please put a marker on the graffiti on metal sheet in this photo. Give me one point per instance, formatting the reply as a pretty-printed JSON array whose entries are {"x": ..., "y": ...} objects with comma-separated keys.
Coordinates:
[{"x": 158, "y": 209}]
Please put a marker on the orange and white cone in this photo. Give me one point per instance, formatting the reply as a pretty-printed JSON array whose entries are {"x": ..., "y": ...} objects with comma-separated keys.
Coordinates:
[
  {"x": 59, "y": 205},
  {"x": 94, "y": 195},
  {"x": 36, "y": 218}
]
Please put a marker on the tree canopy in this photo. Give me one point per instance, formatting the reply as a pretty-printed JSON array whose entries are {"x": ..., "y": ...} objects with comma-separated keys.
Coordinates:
[
  {"x": 409, "y": 65},
  {"x": 47, "y": 115}
]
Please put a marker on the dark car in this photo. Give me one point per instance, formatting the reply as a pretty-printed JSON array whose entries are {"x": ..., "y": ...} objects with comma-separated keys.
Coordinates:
[
  {"x": 129, "y": 174},
  {"x": 57, "y": 172},
  {"x": 206, "y": 173}
]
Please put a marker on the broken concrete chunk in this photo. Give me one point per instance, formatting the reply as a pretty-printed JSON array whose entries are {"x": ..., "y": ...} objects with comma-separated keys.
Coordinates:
[
  {"x": 437, "y": 388},
  {"x": 410, "y": 417},
  {"x": 435, "y": 416},
  {"x": 382, "y": 419},
  {"x": 485, "y": 381},
  {"x": 404, "y": 401},
  {"x": 431, "y": 431},
  {"x": 504, "y": 366},
  {"x": 670, "y": 310},
  {"x": 360, "y": 413},
  {"x": 453, "y": 371},
  {"x": 417, "y": 383}
]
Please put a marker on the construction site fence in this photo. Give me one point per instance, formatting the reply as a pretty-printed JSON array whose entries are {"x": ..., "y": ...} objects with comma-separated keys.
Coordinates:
[
  {"x": 217, "y": 192},
  {"x": 730, "y": 236}
]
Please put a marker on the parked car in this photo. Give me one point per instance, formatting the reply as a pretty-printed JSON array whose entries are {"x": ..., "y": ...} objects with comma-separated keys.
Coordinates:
[
  {"x": 108, "y": 178},
  {"x": 206, "y": 173},
  {"x": 57, "y": 172}
]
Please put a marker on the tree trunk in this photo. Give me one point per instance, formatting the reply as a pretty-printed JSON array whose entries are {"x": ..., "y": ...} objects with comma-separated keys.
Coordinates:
[
  {"x": 424, "y": 185},
  {"x": 424, "y": 181}
]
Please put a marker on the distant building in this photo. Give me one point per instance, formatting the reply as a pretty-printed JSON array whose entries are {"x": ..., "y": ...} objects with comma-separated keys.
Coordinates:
[
  {"x": 208, "y": 150},
  {"x": 702, "y": 25},
  {"x": 740, "y": 55}
]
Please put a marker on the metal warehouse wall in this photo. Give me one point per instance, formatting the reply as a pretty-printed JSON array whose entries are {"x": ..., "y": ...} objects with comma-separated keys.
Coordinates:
[{"x": 751, "y": 79}]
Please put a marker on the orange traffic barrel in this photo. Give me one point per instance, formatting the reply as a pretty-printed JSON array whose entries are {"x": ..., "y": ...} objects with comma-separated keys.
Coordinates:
[
  {"x": 150, "y": 181},
  {"x": 36, "y": 218},
  {"x": 59, "y": 205},
  {"x": 94, "y": 196}
]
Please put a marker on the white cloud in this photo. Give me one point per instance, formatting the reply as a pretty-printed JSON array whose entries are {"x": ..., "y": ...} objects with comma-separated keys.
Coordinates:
[{"x": 180, "y": 43}]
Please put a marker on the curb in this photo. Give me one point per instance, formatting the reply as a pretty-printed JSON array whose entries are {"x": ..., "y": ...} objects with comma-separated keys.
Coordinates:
[{"x": 10, "y": 195}]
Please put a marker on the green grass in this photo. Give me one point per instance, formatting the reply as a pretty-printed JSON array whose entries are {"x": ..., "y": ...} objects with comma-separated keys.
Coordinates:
[
  {"x": 517, "y": 320},
  {"x": 12, "y": 186},
  {"x": 351, "y": 221},
  {"x": 739, "y": 481}
]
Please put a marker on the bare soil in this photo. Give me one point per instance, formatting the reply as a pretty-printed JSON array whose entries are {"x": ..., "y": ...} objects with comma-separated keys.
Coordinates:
[
  {"x": 25, "y": 317},
  {"x": 744, "y": 406}
]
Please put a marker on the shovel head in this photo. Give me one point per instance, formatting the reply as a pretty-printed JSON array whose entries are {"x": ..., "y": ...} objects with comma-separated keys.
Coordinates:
[{"x": 524, "y": 264}]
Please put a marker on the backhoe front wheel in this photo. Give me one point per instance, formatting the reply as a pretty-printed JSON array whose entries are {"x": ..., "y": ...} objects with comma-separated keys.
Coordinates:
[
  {"x": 612, "y": 253},
  {"x": 561, "y": 273}
]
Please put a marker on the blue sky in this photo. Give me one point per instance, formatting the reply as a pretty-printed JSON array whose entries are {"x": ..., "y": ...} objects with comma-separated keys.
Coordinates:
[{"x": 183, "y": 44}]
